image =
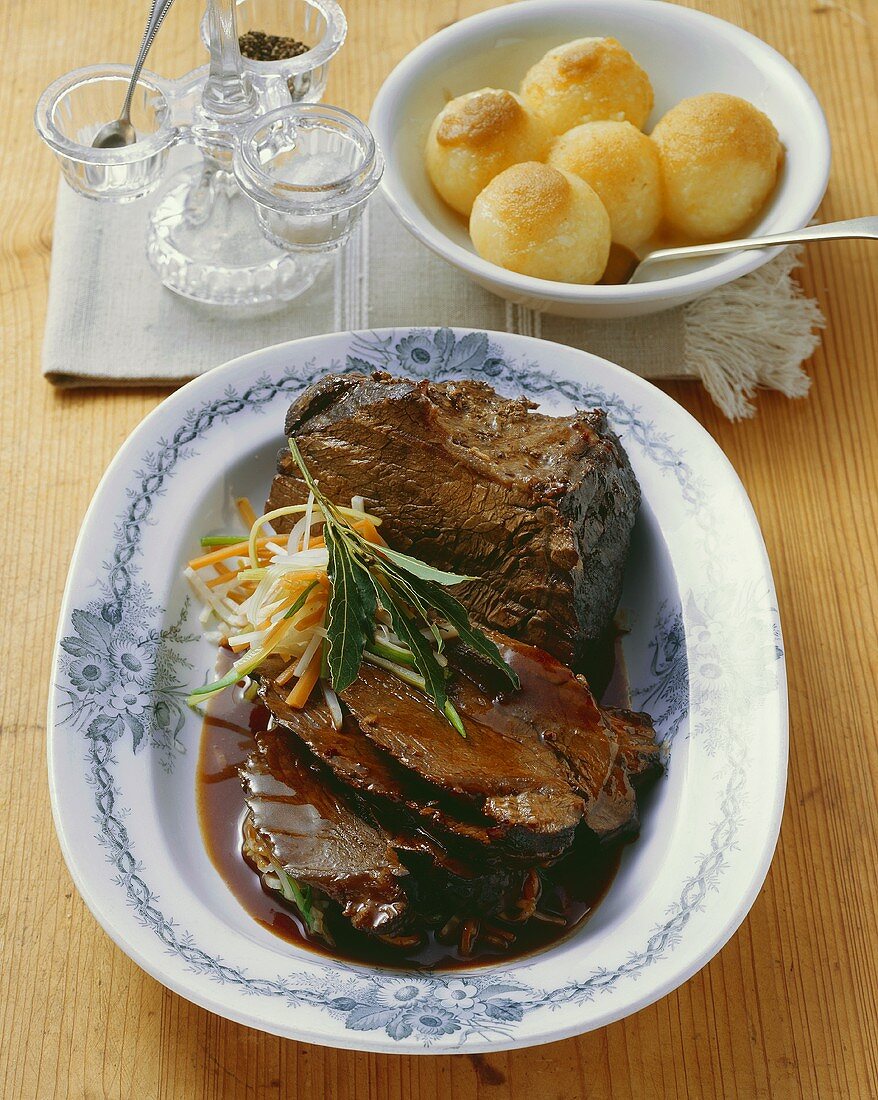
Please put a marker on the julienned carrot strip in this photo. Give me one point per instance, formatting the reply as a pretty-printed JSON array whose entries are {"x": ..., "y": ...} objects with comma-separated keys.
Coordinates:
[
  {"x": 219, "y": 555},
  {"x": 240, "y": 549},
  {"x": 239, "y": 597},
  {"x": 313, "y": 619},
  {"x": 222, "y": 578},
  {"x": 300, "y": 694},
  {"x": 245, "y": 508},
  {"x": 369, "y": 531},
  {"x": 221, "y": 567},
  {"x": 293, "y": 581},
  {"x": 286, "y": 675}
]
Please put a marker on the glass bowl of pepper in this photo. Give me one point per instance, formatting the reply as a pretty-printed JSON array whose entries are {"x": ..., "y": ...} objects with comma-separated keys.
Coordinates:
[{"x": 295, "y": 39}]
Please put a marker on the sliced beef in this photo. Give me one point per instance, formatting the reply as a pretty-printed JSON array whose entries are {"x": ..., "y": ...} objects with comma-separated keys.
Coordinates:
[
  {"x": 557, "y": 708},
  {"x": 606, "y": 820},
  {"x": 539, "y": 507},
  {"x": 383, "y": 876},
  {"x": 362, "y": 765},
  {"x": 639, "y": 753},
  {"x": 534, "y": 762},
  {"x": 513, "y": 780},
  {"x": 316, "y": 836},
  {"x": 637, "y": 764}
]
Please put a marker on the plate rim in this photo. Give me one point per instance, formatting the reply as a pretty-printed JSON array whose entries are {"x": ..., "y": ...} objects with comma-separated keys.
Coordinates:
[{"x": 371, "y": 1040}]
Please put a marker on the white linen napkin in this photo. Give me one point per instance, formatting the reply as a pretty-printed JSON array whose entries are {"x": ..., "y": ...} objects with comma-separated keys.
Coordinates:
[{"x": 111, "y": 323}]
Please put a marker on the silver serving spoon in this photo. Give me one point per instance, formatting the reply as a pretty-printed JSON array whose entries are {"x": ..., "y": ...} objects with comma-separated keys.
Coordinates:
[
  {"x": 832, "y": 231},
  {"x": 120, "y": 132}
]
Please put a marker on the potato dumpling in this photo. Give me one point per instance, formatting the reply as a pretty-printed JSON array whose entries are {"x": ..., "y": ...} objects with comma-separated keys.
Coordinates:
[
  {"x": 476, "y": 136},
  {"x": 587, "y": 80},
  {"x": 622, "y": 166},
  {"x": 720, "y": 158},
  {"x": 537, "y": 220}
]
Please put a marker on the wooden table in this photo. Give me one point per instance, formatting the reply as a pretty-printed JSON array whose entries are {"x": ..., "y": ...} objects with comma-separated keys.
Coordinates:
[{"x": 789, "y": 1007}]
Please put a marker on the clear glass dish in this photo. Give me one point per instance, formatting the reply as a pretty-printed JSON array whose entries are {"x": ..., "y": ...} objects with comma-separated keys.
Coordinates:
[
  {"x": 72, "y": 110},
  {"x": 319, "y": 24},
  {"x": 308, "y": 170}
]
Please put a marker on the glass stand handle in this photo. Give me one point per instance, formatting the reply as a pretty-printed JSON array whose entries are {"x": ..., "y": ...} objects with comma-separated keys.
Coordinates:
[{"x": 228, "y": 93}]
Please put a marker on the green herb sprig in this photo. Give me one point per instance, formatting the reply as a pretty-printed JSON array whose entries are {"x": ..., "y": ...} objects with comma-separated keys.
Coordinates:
[{"x": 362, "y": 575}]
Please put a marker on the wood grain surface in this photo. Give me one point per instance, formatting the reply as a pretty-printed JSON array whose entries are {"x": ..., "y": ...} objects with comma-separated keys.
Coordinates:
[{"x": 789, "y": 1007}]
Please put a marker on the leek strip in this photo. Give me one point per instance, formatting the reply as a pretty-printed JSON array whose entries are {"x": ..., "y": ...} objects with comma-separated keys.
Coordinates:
[
  {"x": 310, "y": 650},
  {"x": 400, "y": 671},
  {"x": 248, "y": 639},
  {"x": 252, "y": 574},
  {"x": 229, "y": 680},
  {"x": 390, "y": 652},
  {"x": 453, "y": 717},
  {"x": 300, "y": 601},
  {"x": 295, "y": 510},
  {"x": 221, "y": 540},
  {"x": 335, "y": 711},
  {"x": 291, "y": 890},
  {"x": 308, "y": 520}
]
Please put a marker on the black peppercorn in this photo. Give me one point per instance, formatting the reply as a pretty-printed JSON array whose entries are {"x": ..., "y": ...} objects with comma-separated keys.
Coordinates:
[{"x": 259, "y": 46}]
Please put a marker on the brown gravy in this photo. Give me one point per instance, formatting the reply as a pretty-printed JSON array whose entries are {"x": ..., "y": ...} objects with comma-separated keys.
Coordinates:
[{"x": 572, "y": 888}]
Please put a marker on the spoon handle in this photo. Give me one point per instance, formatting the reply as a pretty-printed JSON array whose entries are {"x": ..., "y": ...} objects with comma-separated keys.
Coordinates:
[
  {"x": 832, "y": 231},
  {"x": 157, "y": 12}
]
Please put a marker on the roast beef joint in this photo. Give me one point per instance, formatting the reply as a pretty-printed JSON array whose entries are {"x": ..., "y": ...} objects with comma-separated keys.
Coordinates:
[{"x": 370, "y": 815}]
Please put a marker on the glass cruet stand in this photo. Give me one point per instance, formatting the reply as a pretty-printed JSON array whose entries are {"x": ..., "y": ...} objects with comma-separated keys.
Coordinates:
[{"x": 272, "y": 182}]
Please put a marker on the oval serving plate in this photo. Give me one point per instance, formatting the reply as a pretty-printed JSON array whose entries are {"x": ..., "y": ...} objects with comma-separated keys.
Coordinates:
[{"x": 703, "y": 656}]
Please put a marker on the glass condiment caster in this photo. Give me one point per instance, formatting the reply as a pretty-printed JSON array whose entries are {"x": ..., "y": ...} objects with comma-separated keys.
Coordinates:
[{"x": 277, "y": 182}]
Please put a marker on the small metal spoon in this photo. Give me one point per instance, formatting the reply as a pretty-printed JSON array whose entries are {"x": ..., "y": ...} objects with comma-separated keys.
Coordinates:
[
  {"x": 832, "y": 231},
  {"x": 120, "y": 132}
]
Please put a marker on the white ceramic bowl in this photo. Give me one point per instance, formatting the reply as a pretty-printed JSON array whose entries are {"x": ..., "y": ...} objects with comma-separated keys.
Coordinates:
[
  {"x": 703, "y": 657},
  {"x": 685, "y": 53}
]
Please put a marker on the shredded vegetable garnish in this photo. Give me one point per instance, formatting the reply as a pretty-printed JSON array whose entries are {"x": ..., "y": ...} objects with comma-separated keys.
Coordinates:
[{"x": 322, "y": 598}]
